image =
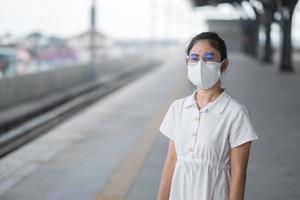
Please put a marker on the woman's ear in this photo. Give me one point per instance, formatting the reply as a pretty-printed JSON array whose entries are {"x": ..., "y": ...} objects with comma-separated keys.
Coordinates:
[{"x": 224, "y": 65}]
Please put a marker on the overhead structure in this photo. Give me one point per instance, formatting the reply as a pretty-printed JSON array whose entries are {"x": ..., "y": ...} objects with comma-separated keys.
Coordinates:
[{"x": 269, "y": 11}]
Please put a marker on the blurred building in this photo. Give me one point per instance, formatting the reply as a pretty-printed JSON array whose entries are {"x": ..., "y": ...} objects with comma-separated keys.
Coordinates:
[
  {"x": 81, "y": 43},
  {"x": 229, "y": 30}
]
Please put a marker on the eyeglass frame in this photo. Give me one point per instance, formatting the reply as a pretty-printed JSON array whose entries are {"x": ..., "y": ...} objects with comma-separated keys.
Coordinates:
[{"x": 201, "y": 58}]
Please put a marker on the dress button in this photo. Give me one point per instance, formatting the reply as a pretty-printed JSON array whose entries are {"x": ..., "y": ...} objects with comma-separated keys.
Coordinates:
[
  {"x": 197, "y": 118},
  {"x": 191, "y": 149},
  {"x": 194, "y": 134}
]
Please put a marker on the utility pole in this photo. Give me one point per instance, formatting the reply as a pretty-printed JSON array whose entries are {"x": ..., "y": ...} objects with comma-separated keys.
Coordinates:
[
  {"x": 153, "y": 19},
  {"x": 93, "y": 40}
]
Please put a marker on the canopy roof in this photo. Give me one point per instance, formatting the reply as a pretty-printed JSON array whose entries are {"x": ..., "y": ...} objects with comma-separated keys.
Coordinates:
[{"x": 198, "y": 3}]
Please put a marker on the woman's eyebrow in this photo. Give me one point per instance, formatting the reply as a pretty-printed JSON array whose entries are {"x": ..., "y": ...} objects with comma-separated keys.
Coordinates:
[{"x": 194, "y": 54}]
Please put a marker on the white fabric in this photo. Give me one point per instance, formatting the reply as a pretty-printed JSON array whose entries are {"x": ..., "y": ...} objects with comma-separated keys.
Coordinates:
[{"x": 203, "y": 139}]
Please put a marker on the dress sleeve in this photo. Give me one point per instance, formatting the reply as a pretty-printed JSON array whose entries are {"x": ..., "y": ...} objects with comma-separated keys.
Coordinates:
[
  {"x": 168, "y": 123},
  {"x": 242, "y": 129}
]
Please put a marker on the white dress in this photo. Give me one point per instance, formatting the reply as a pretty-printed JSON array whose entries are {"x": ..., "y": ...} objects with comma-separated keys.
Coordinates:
[{"x": 203, "y": 139}]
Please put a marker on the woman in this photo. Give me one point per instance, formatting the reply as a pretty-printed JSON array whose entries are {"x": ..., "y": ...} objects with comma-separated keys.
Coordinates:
[{"x": 209, "y": 132}]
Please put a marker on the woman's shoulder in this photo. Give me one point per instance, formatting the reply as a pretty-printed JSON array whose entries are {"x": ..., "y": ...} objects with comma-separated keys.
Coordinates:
[
  {"x": 179, "y": 102},
  {"x": 176, "y": 103},
  {"x": 235, "y": 105}
]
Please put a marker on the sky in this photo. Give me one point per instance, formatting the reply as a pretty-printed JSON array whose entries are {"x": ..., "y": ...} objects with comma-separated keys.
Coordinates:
[
  {"x": 118, "y": 19},
  {"x": 121, "y": 19}
]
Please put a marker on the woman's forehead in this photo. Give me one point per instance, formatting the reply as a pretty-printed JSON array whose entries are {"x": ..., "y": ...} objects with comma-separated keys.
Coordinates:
[{"x": 203, "y": 47}]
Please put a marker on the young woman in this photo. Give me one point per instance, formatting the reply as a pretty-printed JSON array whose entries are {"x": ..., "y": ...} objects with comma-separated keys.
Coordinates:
[{"x": 209, "y": 132}]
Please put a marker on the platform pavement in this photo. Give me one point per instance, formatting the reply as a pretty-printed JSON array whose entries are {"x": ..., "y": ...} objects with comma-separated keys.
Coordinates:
[
  {"x": 74, "y": 160},
  {"x": 110, "y": 131}
]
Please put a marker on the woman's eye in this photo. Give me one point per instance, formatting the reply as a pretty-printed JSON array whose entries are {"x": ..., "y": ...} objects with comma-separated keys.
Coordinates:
[
  {"x": 209, "y": 58},
  {"x": 194, "y": 58}
]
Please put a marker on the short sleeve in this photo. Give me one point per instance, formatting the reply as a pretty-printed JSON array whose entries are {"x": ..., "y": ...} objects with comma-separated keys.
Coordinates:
[
  {"x": 242, "y": 129},
  {"x": 168, "y": 123}
]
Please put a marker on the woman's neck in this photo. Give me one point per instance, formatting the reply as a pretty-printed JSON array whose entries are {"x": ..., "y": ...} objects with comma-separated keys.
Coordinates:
[{"x": 203, "y": 97}]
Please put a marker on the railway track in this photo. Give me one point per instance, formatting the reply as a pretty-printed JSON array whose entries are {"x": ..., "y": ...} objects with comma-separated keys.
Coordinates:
[{"x": 41, "y": 122}]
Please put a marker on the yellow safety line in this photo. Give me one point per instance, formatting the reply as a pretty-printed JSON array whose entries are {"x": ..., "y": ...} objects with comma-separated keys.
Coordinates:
[{"x": 118, "y": 184}]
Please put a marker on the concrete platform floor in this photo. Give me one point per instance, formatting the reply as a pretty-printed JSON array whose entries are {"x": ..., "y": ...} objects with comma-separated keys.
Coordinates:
[{"x": 113, "y": 149}]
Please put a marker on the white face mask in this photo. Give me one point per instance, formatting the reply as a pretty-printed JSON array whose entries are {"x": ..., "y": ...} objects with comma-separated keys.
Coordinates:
[{"x": 204, "y": 75}]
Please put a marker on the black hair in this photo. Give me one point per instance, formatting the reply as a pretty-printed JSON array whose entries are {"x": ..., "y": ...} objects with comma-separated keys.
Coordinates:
[{"x": 214, "y": 40}]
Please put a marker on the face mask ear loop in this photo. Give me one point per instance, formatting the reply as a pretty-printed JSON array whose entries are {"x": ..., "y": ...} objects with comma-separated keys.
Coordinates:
[
  {"x": 201, "y": 68},
  {"x": 221, "y": 63},
  {"x": 220, "y": 73}
]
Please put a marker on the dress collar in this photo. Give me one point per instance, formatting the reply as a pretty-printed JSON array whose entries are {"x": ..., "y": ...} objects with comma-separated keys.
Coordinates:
[{"x": 216, "y": 106}]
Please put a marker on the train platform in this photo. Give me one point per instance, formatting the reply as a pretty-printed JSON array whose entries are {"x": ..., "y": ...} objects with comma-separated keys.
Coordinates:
[{"x": 113, "y": 149}]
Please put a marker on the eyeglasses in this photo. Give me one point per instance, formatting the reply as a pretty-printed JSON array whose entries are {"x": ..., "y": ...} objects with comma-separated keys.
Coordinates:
[{"x": 207, "y": 57}]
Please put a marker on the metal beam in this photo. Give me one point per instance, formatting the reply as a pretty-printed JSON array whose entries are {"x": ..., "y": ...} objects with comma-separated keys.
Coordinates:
[{"x": 199, "y": 3}]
